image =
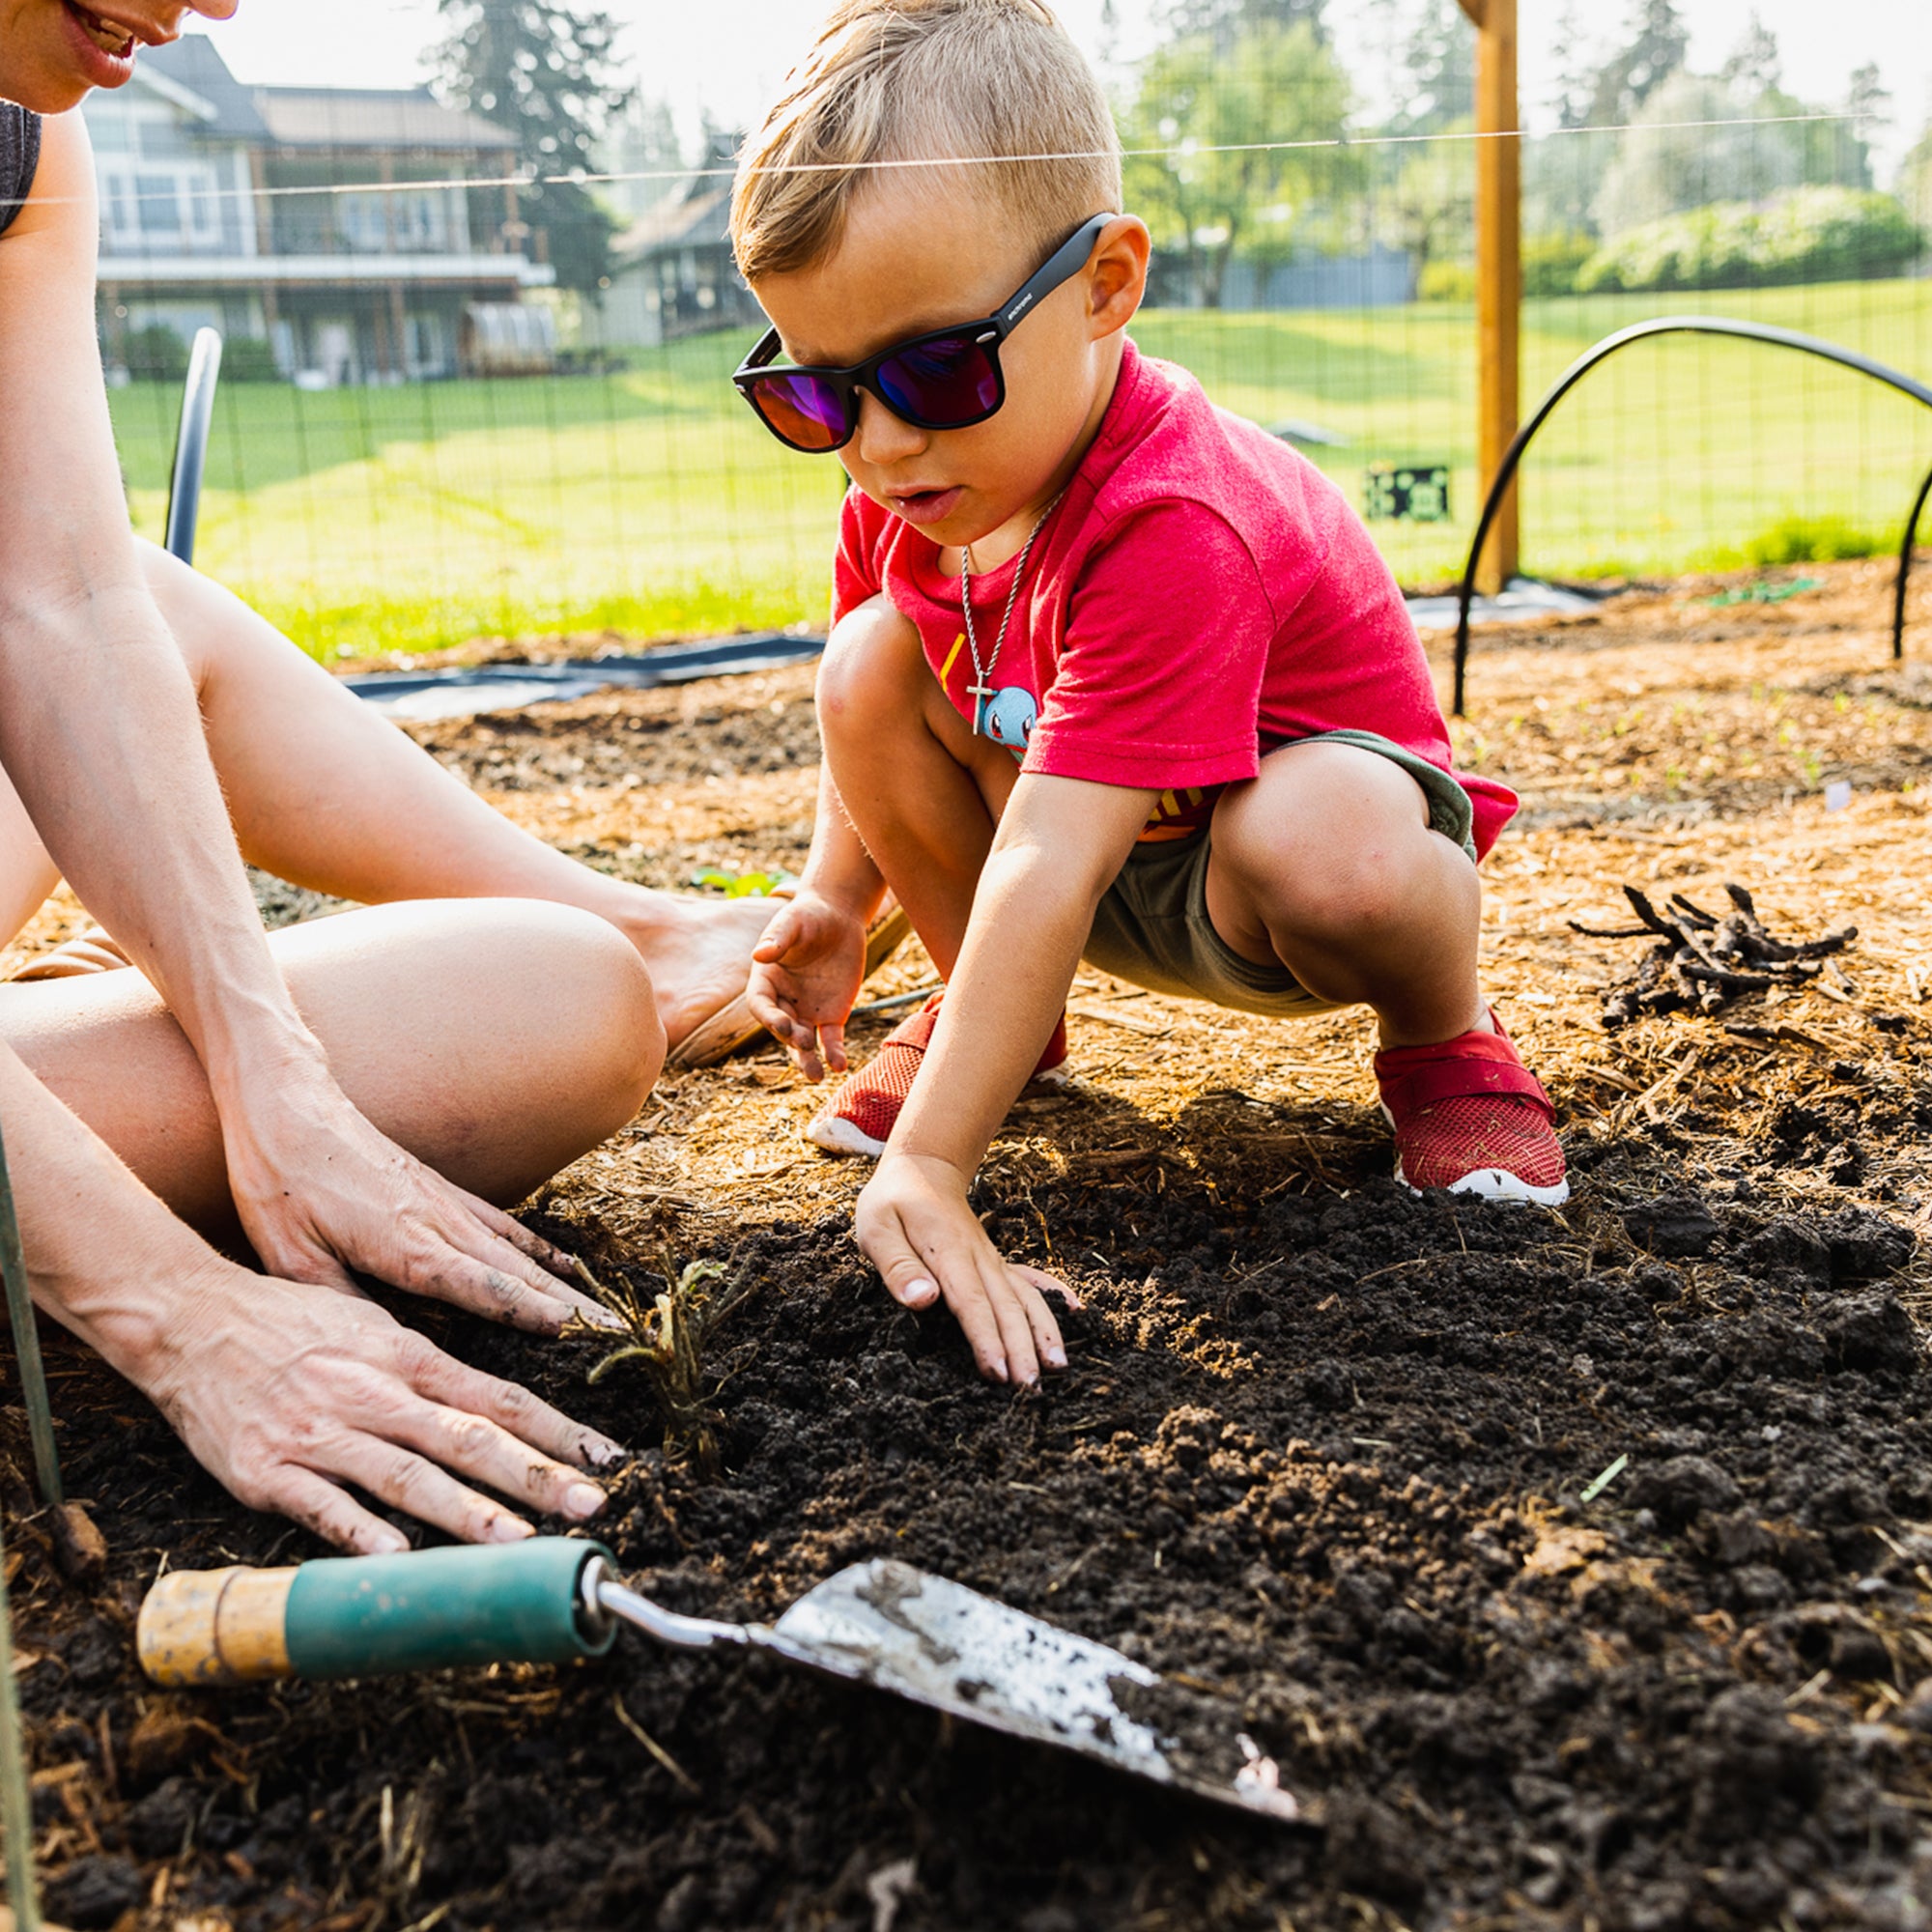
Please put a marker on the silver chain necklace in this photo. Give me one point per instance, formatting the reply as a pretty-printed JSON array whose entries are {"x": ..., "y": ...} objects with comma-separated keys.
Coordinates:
[{"x": 978, "y": 690}]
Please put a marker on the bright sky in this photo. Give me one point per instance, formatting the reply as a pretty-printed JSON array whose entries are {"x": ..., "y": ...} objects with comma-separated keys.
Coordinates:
[{"x": 728, "y": 55}]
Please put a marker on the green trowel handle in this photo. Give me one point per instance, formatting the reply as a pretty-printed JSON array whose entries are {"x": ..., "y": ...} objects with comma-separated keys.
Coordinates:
[{"x": 365, "y": 1616}]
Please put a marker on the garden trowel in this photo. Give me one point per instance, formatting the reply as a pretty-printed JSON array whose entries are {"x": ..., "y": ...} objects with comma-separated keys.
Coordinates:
[{"x": 882, "y": 1623}]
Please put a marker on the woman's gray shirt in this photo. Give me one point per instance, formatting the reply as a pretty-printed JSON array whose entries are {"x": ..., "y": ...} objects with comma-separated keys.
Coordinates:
[{"x": 19, "y": 158}]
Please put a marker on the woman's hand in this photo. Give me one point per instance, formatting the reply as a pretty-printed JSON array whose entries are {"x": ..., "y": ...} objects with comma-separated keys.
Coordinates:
[
  {"x": 805, "y": 975},
  {"x": 919, "y": 1231},
  {"x": 288, "y": 1394},
  {"x": 320, "y": 1190}
]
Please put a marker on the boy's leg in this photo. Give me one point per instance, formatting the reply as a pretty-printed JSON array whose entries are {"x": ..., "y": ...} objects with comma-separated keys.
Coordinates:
[
  {"x": 328, "y": 795},
  {"x": 921, "y": 790},
  {"x": 1326, "y": 863}
]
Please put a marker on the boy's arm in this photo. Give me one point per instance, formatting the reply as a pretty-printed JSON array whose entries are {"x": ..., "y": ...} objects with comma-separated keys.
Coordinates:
[
  {"x": 806, "y": 969},
  {"x": 1061, "y": 842}
]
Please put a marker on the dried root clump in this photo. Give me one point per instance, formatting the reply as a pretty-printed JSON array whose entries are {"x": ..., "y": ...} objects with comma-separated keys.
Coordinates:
[
  {"x": 1701, "y": 963},
  {"x": 667, "y": 1334}
]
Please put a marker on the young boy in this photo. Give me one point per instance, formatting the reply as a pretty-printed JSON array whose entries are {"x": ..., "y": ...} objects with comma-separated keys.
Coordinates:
[{"x": 1111, "y": 673}]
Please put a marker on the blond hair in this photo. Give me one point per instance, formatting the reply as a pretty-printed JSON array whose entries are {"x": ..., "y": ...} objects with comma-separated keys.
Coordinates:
[{"x": 909, "y": 81}]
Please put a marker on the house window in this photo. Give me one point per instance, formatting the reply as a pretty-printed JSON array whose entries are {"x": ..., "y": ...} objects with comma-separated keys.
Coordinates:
[
  {"x": 159, "y": 203},
  {"x": 425, "y": 344},
  {"x": 164, "y": 141},
  {"x": 118, "y": 206}
]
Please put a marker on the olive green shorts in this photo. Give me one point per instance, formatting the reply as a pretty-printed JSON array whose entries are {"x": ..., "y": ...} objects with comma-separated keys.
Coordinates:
[{"x": 1151, "y": 927}]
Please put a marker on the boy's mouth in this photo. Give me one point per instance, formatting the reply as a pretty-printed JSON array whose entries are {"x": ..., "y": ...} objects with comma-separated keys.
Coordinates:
[
  {"x": 926, "y": 506},
  {"x": 109, "y": 36}
]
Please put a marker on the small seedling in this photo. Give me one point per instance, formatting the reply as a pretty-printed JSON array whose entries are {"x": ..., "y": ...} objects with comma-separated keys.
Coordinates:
[{"x": 667, "y": 1334}]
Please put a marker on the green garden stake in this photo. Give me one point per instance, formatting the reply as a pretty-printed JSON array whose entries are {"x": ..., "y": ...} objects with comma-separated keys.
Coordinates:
[
  {"x": 27, "y": 1345},
  {"x": 17, "y": 1804}
]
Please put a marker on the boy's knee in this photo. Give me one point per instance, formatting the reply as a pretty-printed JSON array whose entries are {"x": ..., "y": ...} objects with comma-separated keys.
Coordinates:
[{"x": 871, "y": 656}]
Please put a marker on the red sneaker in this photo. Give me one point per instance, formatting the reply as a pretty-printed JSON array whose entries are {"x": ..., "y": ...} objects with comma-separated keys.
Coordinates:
[
  {"x": 1470, "y": 1117},
  {"x": 860, "y": 1117}
]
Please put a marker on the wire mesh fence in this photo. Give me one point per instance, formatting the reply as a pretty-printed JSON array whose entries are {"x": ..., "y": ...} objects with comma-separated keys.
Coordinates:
[{"x": 378, "y": 487}]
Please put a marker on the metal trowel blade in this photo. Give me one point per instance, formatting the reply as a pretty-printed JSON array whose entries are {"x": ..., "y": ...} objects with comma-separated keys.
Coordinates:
[{"x": 940, "y": 1644}]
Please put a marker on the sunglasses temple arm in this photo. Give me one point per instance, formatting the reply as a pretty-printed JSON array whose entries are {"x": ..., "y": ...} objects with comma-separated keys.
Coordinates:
[{"x": 1061, "y": 265}]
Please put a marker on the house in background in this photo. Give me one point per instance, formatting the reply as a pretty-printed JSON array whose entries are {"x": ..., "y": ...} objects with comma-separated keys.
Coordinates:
[
  {"x": 331, "y": 223},
  {"x": 671, "y": 271}
]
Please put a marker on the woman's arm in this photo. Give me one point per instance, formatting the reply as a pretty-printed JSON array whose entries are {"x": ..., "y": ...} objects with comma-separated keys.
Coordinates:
[
  {"x": 286, "y": 1393},
  {"x": 100, "y": 734}
]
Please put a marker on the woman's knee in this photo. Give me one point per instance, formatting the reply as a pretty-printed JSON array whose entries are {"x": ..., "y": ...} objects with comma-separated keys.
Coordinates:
[
  {"x": 608, "y": 1045},
  {"x": 540, "y": 1015},
  {"x": 870, "y": 670}
]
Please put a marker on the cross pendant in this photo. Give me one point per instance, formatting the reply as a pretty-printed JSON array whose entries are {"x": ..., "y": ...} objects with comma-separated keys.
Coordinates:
[{"x": 980, "y": 692}]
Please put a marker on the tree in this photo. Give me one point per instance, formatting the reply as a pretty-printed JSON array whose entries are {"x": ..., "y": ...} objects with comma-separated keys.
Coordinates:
[
  {"x": 547, "y": 73},
  {"x": 1227, "y": 21},
  {"x": 1753, "y": 68},
  {"x": 1868, "y": 106},
  {"x": 1577, "y": 74},
  {"x": 640, "y": 142},
  {"x": 1430, "y": 210},
  {"x": 1915, "y": 183},
  {"x": 1219, "y": 185},
  {"x": 1663, "y": 166},
  {"x": 1655, "y": 50},
  {"x": 1437, "y": 71}
]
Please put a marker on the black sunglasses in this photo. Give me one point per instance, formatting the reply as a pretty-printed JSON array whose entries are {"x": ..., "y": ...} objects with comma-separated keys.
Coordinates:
[{"x": 949, "y": 378}]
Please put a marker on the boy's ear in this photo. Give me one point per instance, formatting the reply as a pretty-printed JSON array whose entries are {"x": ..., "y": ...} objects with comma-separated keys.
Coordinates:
[{"x": 1117, "y": 274}]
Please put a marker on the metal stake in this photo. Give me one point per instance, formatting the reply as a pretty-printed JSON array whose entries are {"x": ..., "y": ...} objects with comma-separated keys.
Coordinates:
[
  {"x": 27, "y": 1345},
  {"x": 17, "y": 1804}
]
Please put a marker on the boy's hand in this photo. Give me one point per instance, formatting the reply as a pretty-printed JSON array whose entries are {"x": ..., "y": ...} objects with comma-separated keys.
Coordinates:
[
  {"x": 806, "y": 974},
  {"x": 919, "y": 1231}
]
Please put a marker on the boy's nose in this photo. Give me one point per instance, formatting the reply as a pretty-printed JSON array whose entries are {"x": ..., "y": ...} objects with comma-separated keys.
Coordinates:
[{"x": 883, "y": 438}]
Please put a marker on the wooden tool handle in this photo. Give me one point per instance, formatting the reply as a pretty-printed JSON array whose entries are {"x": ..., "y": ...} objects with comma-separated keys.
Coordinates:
[
  {"x": 201, "y": 1626},
  {"x": 365, "y": 1616}
]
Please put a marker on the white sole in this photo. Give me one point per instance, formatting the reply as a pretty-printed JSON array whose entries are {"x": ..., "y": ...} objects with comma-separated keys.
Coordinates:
[
  {"x": 1491, "y": 1183},
  {"x": 834, "y": 1133},
  {"x": 1497, "y": 1183}
]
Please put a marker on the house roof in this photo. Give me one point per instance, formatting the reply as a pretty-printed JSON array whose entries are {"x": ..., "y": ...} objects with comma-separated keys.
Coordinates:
[
  {"x": 369, "y": 117},
  {"x": 699, "y": 216},
  {"x": 191, "y": 62},
  {"x": 316, "y": 117}
]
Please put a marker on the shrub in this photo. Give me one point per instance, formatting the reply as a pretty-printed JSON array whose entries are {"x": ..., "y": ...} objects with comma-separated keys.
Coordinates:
[
  {"x": 1550, "y": 263},
  {"x": 248, "y": 358},
  {"x": 1813, "y": 540},
  {"x": 1446, "y": 282},
  {"x": 156, "y": 353},
  {"x": 1807, "y": 235}
]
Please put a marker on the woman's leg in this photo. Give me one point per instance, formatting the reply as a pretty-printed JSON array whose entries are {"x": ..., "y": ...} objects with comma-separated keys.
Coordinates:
[
  {"x": 497, "y": 1039},
  {"x": 328, "y": 795},
  {"x": 27, "y": 875}
]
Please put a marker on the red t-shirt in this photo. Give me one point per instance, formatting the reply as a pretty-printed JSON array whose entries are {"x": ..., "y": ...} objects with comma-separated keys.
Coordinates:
[{"x": 1201, "y": 595}]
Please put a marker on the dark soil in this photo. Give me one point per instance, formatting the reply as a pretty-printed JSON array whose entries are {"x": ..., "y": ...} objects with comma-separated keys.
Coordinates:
[{"x": 1323, "y": 1454}]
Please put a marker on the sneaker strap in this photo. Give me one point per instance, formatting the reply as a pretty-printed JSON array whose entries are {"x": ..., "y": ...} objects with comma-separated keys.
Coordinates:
[{"x": 1471, "y": 1064}]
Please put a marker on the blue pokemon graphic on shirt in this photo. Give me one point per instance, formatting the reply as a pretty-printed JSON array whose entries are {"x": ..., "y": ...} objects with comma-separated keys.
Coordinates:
[{"x": 1008, "y": 718}]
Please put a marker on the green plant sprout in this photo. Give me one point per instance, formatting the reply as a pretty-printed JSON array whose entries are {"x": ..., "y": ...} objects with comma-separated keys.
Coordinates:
[
  {"x": 741, "y": 885},
  {"x": 667, "y": 1341}
]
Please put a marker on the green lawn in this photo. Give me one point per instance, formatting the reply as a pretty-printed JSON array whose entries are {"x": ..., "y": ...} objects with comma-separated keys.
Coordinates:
[{"x": 651, "y": 501}]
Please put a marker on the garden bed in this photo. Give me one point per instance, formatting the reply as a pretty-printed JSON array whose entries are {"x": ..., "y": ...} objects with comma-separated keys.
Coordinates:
[{"x": 1323, "y": 1449}]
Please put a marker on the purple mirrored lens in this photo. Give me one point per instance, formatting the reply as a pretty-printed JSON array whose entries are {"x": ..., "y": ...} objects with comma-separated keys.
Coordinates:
[
  {"x": 804, "y": 410},
  {"x": 947, "y": 381}
]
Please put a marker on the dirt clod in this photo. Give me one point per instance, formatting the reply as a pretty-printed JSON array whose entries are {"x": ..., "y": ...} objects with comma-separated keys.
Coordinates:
[{"x": 1674, "y": 1225}]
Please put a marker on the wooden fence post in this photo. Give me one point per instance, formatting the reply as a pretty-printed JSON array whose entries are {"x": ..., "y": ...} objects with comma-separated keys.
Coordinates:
[{"x": 1498, "y": 270}]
